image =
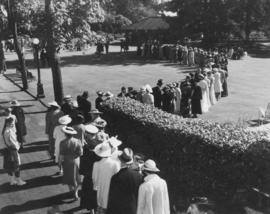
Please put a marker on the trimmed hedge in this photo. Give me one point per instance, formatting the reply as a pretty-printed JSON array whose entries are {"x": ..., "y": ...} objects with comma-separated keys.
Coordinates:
[{"x": 196, "y": 157}]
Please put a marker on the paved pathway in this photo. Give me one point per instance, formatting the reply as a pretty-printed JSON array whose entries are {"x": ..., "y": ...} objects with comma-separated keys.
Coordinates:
[{"x": 43, "y": 188}]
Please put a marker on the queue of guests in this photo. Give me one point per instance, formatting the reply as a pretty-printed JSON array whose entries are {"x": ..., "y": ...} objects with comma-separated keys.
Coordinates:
[
  {"x": 195, "y": 95},
  {"x": 187, "y": 54},
  {"x": 114, "y": 181}
]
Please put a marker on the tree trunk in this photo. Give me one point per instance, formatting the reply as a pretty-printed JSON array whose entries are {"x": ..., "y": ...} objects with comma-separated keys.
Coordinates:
[
  {"x": 2, "y": 58},
  {"x": 13, "y": 27},
  {"x": 54, "y": 61}
]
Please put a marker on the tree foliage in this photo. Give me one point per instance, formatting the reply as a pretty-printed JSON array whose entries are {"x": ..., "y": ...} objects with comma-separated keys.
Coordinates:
[{"x": 217, "y": 19}]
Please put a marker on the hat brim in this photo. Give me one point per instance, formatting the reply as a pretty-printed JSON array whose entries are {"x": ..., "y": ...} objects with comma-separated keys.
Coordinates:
[
  {"x": 15, "y": 104},
  {"x": 54, "y": 105},
  {"x": 103, "y": 154},
  {"x": 65, "y": 121},
  {"x": 71, "y": 132},
  {"x": 150, "y": 169}
]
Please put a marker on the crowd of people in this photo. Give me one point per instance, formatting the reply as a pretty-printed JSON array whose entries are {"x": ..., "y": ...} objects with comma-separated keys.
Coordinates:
[
  {"x": 113, "y": 181},
  {"x": 186, "y": 54},
  {"x": 195, "y": 95}
]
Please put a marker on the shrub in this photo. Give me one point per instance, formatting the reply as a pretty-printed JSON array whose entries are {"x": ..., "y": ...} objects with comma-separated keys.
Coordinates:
[{"x": 196, "y": 157}]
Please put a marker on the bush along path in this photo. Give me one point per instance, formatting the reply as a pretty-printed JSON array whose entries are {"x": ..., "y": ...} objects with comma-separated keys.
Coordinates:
[{"x": 196, "y": 157}]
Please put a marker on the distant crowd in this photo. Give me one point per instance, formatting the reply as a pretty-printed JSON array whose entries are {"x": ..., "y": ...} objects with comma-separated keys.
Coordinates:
[
  {"x": 195, "y": 95},
  {"x": 186, "y": 54}
]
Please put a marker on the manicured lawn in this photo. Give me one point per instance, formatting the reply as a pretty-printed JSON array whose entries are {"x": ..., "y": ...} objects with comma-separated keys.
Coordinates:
[{"x": 248, "y": 79}]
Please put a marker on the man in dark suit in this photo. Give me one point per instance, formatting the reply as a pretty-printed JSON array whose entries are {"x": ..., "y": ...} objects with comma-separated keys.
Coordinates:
[
  {"x": 157, "y": 92},
  {"x": 124, "y": 187},
  {"x": 84, "y": 105}
]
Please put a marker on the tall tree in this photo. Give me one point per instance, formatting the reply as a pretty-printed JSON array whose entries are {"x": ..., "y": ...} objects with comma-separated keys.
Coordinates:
[
  {"x": 217, "y": 19},
  {"x": 12, "y": 22},
  {"x": 66, "y": 20}
]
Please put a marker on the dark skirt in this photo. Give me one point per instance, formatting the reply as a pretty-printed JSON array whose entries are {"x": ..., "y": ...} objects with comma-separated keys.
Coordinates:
[
  {"x": 224, "y": 93},
  {"x": 11, "y": 160},
  {"x": 196, "y": 106},
  {"x": 71, "y": 171},
  {"x": 185, "y": 107},
  {"x": 88, "y": 195}
]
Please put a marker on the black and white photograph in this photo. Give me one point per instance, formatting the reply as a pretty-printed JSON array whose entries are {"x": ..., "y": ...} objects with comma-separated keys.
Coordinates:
[{"x": 135, "y": 106}]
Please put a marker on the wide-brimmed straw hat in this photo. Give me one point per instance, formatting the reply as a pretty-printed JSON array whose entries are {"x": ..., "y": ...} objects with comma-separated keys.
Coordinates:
[
  {"x": 15, "y": 103},
  {"x": 67, "y": 97},
  {"x": 100, "y": 93},
  {"x": 91, "y": 129},
  {"x": 103, "y": 150},
  {"x": 95, "y": 111},
  {"x": 69, "y": 130},
  {"x": 109, "y": 94},
  {"x": 114, "y": 142},
  {"x": 54, "y": 103},
  {"x": 65, "y": 120},
  {"x": 100, "y": 123},
  {"x": 126, "y": 156},
  {"x": 150, "y": 166}
]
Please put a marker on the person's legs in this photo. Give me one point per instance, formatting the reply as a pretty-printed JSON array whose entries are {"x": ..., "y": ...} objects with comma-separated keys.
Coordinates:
[{"x": 18, "y": 179}]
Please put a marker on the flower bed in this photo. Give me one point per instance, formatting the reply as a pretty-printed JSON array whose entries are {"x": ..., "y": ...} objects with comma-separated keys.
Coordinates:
[{"x": 196, "y": 157}]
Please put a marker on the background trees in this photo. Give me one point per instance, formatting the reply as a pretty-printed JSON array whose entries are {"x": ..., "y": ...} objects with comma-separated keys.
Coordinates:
[{"x": 218, "y": 19}]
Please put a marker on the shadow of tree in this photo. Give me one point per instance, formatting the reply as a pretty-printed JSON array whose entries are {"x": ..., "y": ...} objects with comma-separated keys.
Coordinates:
[
  {"x": 31, "y": 183},
  {"x": 36, "y": 204}
]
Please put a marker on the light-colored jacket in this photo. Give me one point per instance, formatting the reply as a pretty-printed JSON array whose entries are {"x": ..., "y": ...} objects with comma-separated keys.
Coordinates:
[
  {"x": 217, "y": 83},
  {"x": 153, "y": 196},
  {"x": 148, "y": 98},
  {"x": 103, "y": 171}
]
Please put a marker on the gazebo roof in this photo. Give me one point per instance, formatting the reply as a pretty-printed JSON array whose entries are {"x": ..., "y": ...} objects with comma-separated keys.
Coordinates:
[{"x": 149, "y": 23}]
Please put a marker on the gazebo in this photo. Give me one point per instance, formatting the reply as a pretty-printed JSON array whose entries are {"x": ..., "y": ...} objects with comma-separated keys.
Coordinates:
[{"x": 148, "y": 28}]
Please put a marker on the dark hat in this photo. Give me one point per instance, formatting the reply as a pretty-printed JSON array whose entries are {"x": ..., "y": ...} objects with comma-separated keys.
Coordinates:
[
  {"x": 85, "y": 94},
  {"x": 160, "y": 82},
  {"x": 126, "y": 156}
]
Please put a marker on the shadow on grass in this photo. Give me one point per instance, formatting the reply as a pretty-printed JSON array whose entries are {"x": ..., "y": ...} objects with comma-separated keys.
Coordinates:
[
  {"x": 6, "y": 92},
  {"x": 34, "y": 165},
  {"x": 36, "y": 112},
  {"x": 31, "y": 183},
  {"x": 36, "y": 204},
  {"x": 35, "y": 147}
]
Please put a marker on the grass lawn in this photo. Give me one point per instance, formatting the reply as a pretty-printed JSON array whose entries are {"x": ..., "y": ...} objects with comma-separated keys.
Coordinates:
[{"x": 248, "y": 79}]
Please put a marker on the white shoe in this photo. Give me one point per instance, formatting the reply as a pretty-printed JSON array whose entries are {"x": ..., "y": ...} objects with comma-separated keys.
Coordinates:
[
  {"x": 13, "y": 182},
  {"x": 20, "y": 182}
]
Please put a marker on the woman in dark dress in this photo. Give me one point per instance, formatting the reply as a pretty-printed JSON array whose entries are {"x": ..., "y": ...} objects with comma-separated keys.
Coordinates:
[
  {"x": 88, "y": 194},
  {"x": 196, "y": 100},
  {"x": 17, "y": 110},
  {"x": 186, "y": 97}
]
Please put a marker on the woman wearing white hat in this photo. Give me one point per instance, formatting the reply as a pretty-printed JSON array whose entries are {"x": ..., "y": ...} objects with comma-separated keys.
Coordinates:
[
  {"x": 103, "y": 170},
  {"x": 87, "y": 160},
  {"x": 148, "y": 97},
  {"x": 153, "y": 193},
  {"x": 70, "y": 151},
  {"x": 52, "y": 116},
  {"x": 58, "y": 136}
]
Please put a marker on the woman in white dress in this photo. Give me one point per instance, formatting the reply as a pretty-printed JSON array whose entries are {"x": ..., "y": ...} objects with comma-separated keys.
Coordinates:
[
  {"x": 205, "y": 93},
  {"x": 178, "y": 95},
  {"x": 211, "y": 88},
  {"x": 217, "y": 83},
  {"x": 58, "y": 136}
]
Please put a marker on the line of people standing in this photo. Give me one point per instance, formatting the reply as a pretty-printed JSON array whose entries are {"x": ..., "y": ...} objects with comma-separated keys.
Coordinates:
[{"x": 112, "y": 181}]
